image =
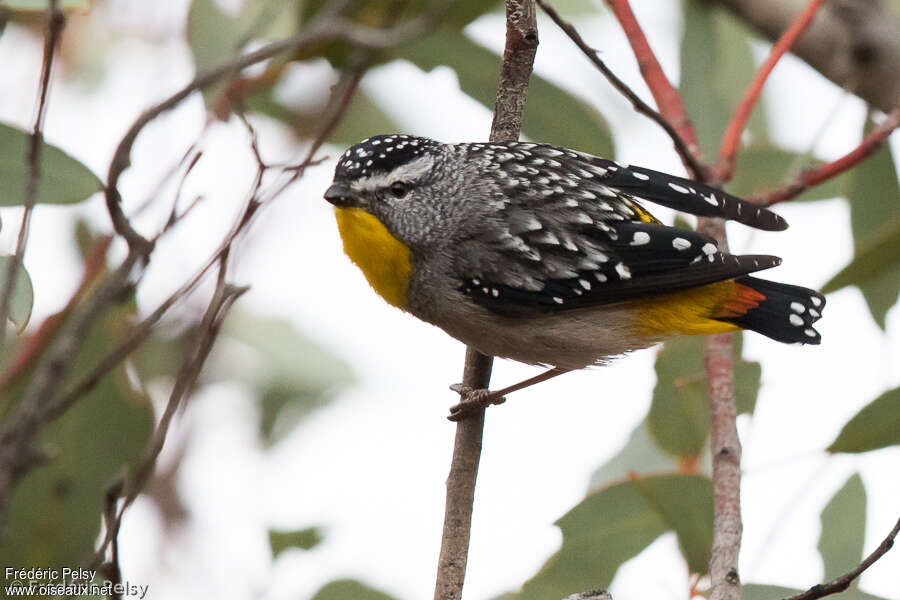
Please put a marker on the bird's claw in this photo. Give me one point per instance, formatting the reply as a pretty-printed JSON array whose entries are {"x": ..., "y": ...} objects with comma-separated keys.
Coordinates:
[{"x": 472, "y": 401}]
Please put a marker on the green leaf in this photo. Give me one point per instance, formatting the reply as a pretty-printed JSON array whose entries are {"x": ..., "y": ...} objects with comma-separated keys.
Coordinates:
[
  {"x": 304, "y": 539},
  {"x": 679, "y": 413},
  {"x": 716, "y": 67},
  {"x": 843, "y": 529},
  {"x": 478, "y": 70},
  {"x": 877, "y": 425},
  {"x": 349, "y": 589},
  {"x": 757, "y": 591},
  {"x": 874, "y": 194},
  {"x": 43, "y": 5},
  {"x": 213, "y": 37},
  {"x": 55, "y": 510},
  {"x": 639, "y": 455},
  {"x": 63, "y": 179},
  {"x": 616, "y": 523},
  {"x": 290, "y": 388},
  {"x": 876, "y": 255},
  {"x": 22, "y": 299},
  {"x": 763, "y": 167}
]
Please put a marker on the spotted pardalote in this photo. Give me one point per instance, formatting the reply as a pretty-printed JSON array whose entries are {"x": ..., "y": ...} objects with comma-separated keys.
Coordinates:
[{"x": 548, "y": 255}]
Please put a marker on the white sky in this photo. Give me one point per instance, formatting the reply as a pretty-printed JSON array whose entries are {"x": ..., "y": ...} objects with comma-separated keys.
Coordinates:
[{"x": 371, "y": 467}]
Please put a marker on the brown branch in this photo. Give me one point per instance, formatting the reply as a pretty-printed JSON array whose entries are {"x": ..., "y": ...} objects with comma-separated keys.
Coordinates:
[
  {"x": 327, "y": 28},
  {"x": 667, "y": 98},
  {"x": 55, "y": 23},
  {"x": 687, "y": 157},
  {"x": 515, "y": 72},
  {"x": 728, "y": 152},
  {"x": 870, "y": 144},
  {"x": 843, "y": 582},
  {"x": 126, "y": 488}
]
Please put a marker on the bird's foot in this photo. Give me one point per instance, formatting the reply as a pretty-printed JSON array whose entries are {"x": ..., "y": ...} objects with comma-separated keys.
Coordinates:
[{"x": 472, "y": 401}]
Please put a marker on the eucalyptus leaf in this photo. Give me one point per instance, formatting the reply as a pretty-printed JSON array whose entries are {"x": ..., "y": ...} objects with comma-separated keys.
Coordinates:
[
  {"x": 63, "y": 180},
  {"x": 843, "y": 528},
  {"x": 302, "y": 539},
  {"x": 876, "y": 426},
  {"x": 22, "y": 299},
  {"x": 349, "y": 589}
]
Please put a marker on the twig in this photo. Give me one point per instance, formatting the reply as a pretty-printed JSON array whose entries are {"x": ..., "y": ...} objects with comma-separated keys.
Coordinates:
[
  {"x": 324, "y": 29},
  {"x": 128, "y": 487},
  {"x": 55, "y": 23},
  {"x": 515, "y": 72},
  {"x": 687, "y": 157},
  {"x": 843, "y": 582},
  {"x": 870, "y": 144},
  {"x": 728, "y": 152},
  {"x": 667, "y": 98}
]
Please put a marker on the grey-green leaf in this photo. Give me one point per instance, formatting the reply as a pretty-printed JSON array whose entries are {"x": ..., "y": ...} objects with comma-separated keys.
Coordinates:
[
  {"x": 874, "y": 194},
  {"x": 843, "y": 528},
  {"x": 22, "y": 298},
  {"x": 877, "y": 425},
  {"x": 302, "y": 539},
  {"x": 639, "y": 455},
  {"x": 63, "y": 180},
  {"x": 349, "y": 589}
]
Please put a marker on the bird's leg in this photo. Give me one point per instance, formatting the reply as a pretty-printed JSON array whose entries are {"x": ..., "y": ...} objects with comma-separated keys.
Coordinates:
[{"x": 472, "y": 400}]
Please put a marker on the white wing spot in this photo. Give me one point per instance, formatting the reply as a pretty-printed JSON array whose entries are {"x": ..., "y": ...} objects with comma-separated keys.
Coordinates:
[
  {"x": 816, "y": 300},
  {"x": 678, "y": 188},
  {"x": 641, "y": 176},
  {"x": 557, "y": 299},
  {"x": 709, "y": 249},
  {"x": 712, "y": 199},
  {"x": 640, "y": 238},
  {"x": 585, "y": 283},
  {"x": 680, "y": 243},
  {"x": 495, "y": 292},
  {"x": 797, "y": 308},
  {"x": 600, "y": 277},
  {"x": 623, "y": 271},
  {"x": 814, "y": 313},
  {"x": 810, "y": 332},
  {"x": 796, "y": 320}
]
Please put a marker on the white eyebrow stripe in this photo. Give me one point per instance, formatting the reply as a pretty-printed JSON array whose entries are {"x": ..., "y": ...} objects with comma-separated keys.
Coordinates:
[{"x": 410, "y": 171}]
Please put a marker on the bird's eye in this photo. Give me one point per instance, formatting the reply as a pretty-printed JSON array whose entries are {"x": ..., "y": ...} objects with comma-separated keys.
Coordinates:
[{"x": 399, "y": 189}]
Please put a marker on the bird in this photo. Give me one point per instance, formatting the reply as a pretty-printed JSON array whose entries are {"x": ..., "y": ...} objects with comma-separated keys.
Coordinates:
[{"x": 549, "y": 256}]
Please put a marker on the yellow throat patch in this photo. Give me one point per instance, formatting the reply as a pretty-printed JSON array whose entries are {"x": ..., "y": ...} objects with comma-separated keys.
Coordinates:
[{"x": 382, "y": 258}]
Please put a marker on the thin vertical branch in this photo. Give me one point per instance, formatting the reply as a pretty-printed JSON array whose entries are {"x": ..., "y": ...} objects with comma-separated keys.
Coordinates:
[
  {"x": 728, "y": 152},
  {"x": 667, "y": 98},
  {"x": 55, "y": 23},
  {"x": 515, "y": 71}
]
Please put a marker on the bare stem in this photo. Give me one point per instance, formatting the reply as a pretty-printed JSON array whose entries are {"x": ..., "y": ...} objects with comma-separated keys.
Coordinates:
[
  {"x": 515, "y": 71},
  {"x": 55, "y": 23}
]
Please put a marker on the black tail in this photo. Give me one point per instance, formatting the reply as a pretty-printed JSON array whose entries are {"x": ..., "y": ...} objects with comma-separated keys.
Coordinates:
[{"x": 786, "y": 314}]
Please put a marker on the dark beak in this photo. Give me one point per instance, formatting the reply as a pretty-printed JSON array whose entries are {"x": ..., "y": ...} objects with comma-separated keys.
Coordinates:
[{"x": 341, "y": 196}]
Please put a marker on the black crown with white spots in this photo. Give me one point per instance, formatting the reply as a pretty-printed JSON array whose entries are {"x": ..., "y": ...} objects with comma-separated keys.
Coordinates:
[{"x": 381, "y": 153}]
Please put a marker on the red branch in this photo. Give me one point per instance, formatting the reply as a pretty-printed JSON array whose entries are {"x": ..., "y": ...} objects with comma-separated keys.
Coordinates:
[
  {"x": 870, "y": 144},
  {"x": 667, "y": 98},
  {"x": 728, "y": 153}
]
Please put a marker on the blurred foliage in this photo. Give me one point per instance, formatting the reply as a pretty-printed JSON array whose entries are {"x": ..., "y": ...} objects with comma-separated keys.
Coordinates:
[
  {"x": 843, "y": 529},
  {"x": 678, "y": 421},
  {"x": 874, "y": 195},
  {"x": 302, "y": 539},
  {"x": 349, "y": 589},
  {"x": 54, "y": 517},
  {"x": 22, "y": 300},
  {"x": 876, "y": 426},
  {"x": 64, "y": 180},
  {"x": 615, "y": 523}
]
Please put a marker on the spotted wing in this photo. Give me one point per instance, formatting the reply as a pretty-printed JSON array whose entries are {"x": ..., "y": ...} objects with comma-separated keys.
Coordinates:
[
  {"x": 686, "y": 195},
  {"x": 644, "y": 260}
]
